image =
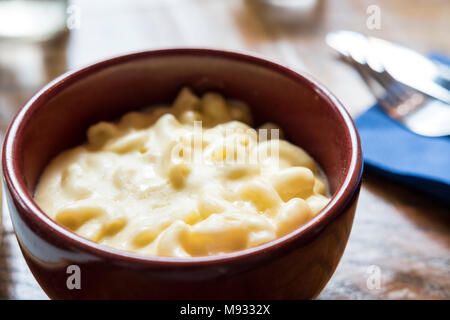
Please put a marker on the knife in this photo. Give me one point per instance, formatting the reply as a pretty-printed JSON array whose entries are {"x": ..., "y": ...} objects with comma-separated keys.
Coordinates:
[{"x": 403, "y": 64}]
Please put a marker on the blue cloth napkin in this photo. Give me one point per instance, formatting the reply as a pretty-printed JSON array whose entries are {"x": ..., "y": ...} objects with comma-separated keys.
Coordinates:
[{"x": 396, "y": 153}]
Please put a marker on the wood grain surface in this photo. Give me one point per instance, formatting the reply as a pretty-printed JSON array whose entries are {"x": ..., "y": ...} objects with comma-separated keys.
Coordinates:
[{"x": 398, "y": 234}]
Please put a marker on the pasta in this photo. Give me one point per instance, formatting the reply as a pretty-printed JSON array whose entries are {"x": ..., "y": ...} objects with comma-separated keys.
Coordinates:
[{"x": 192, "y": 179}]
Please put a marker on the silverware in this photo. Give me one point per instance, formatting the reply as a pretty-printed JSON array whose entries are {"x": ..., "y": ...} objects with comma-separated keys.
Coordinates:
[
  {"x": 427, "y": 117},
  {"x": 412, "y": 108},
  {"x": 403, "y": 64},
  {"x": 424, "y": 76}
]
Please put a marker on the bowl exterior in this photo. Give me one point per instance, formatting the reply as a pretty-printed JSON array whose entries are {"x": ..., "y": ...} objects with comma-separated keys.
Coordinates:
[{"x": 296, "y": 266}]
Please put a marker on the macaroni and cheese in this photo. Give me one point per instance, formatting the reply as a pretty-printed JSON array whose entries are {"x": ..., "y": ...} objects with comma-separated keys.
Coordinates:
[{"x": 193, "y": 179}]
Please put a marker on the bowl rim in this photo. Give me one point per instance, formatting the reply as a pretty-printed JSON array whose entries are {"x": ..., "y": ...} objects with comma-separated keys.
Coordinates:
[{"x": 16, "y": 185}]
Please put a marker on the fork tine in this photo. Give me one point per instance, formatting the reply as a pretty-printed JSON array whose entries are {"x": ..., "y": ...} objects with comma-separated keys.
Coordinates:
[
  {"x": 393, "y": 91},
  {"x": 378, "y": 90},
  {"x": 391, "y": 85},
  {"x": 386, "y": 100},
  {"x": 385, "y": 82},
  {"x": 399, "y": 97}
]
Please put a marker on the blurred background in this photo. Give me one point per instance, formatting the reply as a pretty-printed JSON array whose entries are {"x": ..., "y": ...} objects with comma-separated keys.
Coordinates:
[{"x": 41, "y": 39}]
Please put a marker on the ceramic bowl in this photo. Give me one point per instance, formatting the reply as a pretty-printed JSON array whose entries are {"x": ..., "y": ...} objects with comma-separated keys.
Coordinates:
[{"x": 296, "y": 266}]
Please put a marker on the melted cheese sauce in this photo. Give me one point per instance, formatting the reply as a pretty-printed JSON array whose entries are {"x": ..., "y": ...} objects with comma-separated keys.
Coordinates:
[{"x": 155, "y": 183}]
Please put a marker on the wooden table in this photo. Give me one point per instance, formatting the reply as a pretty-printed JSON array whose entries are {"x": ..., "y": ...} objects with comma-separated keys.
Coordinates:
[{"x": 398, "y": 234}]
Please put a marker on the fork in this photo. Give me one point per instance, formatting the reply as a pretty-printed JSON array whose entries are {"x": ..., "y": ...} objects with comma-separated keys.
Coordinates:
[{"x": 417, "y": 112}]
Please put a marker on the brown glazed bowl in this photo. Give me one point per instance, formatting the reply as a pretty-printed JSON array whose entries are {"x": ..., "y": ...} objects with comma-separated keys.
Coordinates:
[{"x": 296, "y": 266}]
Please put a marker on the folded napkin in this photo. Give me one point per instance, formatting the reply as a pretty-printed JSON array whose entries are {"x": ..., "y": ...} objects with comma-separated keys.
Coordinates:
[{"x": 396, "y": 153}]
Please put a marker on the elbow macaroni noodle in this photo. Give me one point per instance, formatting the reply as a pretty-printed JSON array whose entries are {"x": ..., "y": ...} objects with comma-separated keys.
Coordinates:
[{"x": 193, "y": 179}]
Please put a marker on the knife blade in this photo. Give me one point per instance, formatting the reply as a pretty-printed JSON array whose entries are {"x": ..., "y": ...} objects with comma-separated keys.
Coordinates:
[
  {"x": 410, "y": 68},
  {"x": 403, "y": 64}
]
